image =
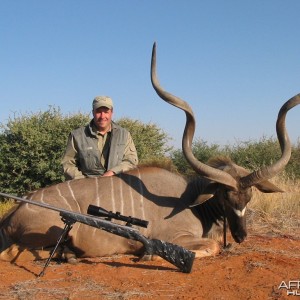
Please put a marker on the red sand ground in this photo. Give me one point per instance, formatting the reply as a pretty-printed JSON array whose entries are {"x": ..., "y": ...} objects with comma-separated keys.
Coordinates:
[{"x": 252, "y": 270}]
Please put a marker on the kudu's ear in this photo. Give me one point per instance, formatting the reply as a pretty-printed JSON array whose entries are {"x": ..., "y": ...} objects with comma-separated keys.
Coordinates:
[
  {"x": 264, "y": 186},
  {"x": 208, "y": 193},
  {"x": 268, "y": 187}
]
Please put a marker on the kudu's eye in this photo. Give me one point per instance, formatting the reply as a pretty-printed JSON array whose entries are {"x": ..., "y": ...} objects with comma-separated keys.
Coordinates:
[{"x": 226, "y": 195}]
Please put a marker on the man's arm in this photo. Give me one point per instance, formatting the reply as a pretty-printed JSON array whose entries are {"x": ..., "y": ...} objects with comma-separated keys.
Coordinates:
[{"x": 69, "y": 161}]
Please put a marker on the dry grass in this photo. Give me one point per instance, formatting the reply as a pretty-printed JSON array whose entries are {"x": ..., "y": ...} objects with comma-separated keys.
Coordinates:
[
  {"x": 6, "y": 206},
  {"x": 276, "y": 213},
  {"x": 64, "y": 289}
]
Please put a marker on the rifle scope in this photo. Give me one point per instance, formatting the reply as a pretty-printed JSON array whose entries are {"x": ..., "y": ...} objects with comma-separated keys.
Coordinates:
[{"x": 101, "y": 212}]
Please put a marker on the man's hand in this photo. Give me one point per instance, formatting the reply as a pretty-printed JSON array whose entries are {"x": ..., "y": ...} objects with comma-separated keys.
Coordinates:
[{"x": 108, "y": 173}]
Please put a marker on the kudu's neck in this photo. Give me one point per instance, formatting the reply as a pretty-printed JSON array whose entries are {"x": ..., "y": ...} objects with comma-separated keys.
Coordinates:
[{"x": 211, "y": 212}]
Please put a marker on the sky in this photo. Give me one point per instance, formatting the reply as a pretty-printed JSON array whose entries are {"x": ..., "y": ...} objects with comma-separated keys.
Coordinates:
[{"x": 235, "y": 62}]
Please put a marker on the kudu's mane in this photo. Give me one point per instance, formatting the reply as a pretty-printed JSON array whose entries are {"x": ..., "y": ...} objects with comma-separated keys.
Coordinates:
[
  {"x": 220, "y": 162},
  {"x": 224, "y": 163},
  {"x": 164, "y": 164}
]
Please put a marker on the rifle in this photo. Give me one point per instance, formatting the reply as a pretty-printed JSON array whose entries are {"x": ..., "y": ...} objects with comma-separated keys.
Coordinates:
[{"x": 175, "y": 254}]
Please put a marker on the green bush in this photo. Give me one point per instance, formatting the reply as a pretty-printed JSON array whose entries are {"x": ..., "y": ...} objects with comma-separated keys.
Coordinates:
[
  {"x": 150, "y": 140},
  {"x": 32, "y": 146},
  {"x": 251, "y": 155},
  {"x": 255, "y": 154},
  {"x": 293, "y": 167},
  {"x": 201, "y": 150}
]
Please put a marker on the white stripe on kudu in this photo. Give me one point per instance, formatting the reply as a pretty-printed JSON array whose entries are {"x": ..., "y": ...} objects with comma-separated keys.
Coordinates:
[
  {"x": 73, "y": 195},
  {"x": 113, "y": 200},
  {"x": 121, "y": 196},
  {"x": 97, "y": 192},
  {"x": 142, "y": 195},
  {"x": 129, "y": 189},
  {"x": 63, "y": 197}
]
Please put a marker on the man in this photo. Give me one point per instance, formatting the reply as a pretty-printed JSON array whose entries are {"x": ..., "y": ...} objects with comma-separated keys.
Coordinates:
[{"x": 101, "y": 148}]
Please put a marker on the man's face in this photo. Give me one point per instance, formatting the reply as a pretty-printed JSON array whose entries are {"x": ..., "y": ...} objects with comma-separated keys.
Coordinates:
[{"x": 102, "y": 118}]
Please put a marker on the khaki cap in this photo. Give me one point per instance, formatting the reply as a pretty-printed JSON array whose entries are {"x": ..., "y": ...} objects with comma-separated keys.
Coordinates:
[{"x": 102, "y": 101}]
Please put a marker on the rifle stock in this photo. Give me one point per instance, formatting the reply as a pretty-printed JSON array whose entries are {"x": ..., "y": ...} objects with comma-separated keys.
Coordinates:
[{"x": 176, "y": 255}]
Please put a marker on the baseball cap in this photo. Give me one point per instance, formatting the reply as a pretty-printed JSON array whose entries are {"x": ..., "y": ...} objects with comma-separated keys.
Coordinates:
[{"x": 102, "y": 101}]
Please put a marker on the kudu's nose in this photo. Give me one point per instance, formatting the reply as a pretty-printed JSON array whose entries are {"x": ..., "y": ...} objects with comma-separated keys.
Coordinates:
[{"x": 239, "y": 237}]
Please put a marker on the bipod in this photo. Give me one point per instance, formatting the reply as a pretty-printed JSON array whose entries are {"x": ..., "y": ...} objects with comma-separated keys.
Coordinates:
[{"x": 62, "y": 239}]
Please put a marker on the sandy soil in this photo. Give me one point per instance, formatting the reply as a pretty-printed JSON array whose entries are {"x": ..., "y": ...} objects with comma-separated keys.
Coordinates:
[{"x": 252, "y": 270}]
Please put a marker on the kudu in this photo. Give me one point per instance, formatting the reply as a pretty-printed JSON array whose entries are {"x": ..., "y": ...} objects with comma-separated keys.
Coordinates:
[{"x": 178, "y": 211}]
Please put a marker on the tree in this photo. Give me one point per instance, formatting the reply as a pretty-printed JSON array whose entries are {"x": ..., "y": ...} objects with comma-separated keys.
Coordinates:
[
  {"x": 201, "y": 150},
  {"x": 150, "y": 140}
]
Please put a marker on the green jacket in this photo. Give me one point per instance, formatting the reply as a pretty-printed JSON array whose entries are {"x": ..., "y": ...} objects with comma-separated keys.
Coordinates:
[{"x": 89, "y": 154}]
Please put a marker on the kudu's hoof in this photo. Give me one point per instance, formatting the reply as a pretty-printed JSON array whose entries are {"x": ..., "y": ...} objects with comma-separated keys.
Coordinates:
[{"x": 72, "y": 260}]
